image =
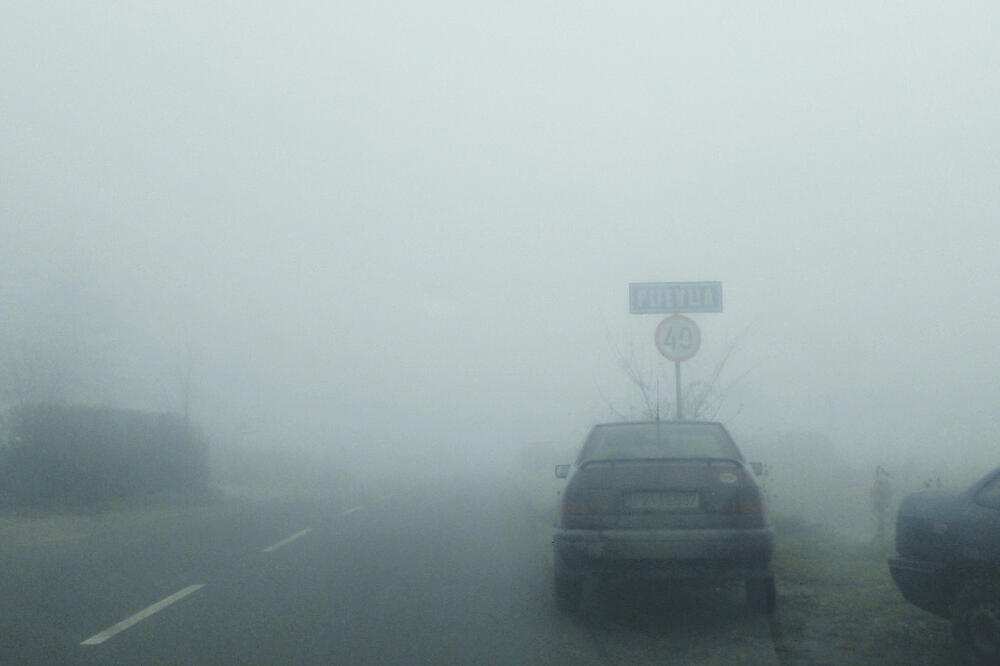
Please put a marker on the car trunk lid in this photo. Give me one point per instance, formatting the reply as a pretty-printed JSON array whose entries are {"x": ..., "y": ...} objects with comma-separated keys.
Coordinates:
[{"x": 664, "y": 493}]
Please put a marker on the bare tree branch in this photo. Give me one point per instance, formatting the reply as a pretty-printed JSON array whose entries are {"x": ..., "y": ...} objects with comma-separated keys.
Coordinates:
[
  {"x": 610, "y": 405},
  {"x": 708, "y": 396}
]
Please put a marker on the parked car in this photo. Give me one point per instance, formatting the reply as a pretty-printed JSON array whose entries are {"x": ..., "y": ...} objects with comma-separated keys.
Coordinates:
[
  {"x": 662, "y": 500},
  {"x": 948, "y": 561}
]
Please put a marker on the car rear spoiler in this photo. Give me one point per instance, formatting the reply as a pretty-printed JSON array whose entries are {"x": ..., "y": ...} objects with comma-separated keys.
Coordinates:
[{"x": 613, "y": 461}]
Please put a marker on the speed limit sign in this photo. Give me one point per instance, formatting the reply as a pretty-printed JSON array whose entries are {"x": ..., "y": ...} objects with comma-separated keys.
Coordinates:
[{"x": 678, "y": 338}]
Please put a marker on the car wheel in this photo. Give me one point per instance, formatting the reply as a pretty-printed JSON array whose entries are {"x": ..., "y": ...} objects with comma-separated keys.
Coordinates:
[
  {"x": 975, "y": 620},
  {"x": 761, "y": 595},
  {"x": 566, "y": 592}
]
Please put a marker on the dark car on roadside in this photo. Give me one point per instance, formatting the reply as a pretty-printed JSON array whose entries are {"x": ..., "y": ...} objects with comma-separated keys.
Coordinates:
[
  {"x": 948, "y": 561},
  {"x": 662, "y": 500}
]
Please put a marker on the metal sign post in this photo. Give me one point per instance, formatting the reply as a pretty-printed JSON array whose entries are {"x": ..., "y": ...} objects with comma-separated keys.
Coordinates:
[
  {"x": 678, "y": 338},
  {"x": 677, "y": 376}
]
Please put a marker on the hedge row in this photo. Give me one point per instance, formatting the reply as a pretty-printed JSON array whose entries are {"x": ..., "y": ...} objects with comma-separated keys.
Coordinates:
[{"x": 67, "y": 454}]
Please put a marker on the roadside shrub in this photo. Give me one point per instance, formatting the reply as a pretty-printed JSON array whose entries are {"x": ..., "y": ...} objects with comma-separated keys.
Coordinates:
[{"x": 67, "y": 454}]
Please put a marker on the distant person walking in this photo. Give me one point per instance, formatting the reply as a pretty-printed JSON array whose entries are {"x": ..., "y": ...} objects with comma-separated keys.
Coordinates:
[{"x": 881, "y": 496}]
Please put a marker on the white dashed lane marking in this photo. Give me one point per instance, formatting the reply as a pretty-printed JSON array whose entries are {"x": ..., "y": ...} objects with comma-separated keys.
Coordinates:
[
  {"x": 287, "y": 541},
  {"x": 97, "y": 639}
]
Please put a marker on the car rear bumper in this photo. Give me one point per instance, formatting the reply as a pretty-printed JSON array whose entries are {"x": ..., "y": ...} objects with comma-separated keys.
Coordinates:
[
  {"x": 693, "y": 553},
  {"x": 924, "y": 584}
]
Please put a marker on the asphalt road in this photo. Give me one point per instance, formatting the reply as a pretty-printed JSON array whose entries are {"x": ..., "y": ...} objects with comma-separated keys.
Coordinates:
[{"x": 435, "y": 573}]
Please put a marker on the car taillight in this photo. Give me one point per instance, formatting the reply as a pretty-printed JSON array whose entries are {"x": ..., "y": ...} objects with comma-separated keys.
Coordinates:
[
  {"x": 584, "y": 502},
  {"x": 747, "y": 504},
  {"x": 579, "y": 509},
  {"x": 748, "y": 501},
  {"x": 585, "y": 508}
]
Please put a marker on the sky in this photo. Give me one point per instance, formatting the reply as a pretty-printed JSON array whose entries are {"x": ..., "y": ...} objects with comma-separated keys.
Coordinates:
[{"x": 414, "y": 224}]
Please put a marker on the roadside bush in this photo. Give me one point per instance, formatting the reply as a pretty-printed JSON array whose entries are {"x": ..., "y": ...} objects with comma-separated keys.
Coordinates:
[{"x": 70, "y": 454}]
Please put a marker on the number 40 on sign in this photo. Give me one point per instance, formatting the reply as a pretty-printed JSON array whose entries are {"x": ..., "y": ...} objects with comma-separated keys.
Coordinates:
[{"x": 678, "y": 338}]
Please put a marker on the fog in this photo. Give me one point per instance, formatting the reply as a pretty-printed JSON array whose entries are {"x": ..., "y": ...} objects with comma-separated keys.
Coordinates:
[{"x": 406, "y": 231}]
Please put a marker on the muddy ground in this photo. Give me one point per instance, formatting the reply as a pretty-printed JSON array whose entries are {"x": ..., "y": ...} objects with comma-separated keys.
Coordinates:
[{"x": 839, "y": 605}]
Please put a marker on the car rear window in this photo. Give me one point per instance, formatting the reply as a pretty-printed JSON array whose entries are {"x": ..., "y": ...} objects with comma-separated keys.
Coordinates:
[{"x": 658, "y": 440}]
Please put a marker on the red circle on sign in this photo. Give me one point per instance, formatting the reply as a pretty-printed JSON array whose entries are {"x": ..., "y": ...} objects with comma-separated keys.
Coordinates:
[{"x": 678, "y": 338}]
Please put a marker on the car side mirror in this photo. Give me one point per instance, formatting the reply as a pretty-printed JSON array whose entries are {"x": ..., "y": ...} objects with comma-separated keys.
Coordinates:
[
  {"x": 562, "y": 471},
  {"x": 758, "y": 468}
]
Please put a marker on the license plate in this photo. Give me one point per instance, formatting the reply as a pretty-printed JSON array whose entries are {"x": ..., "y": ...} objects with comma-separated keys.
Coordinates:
[{"x": 650, "y": 501}]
